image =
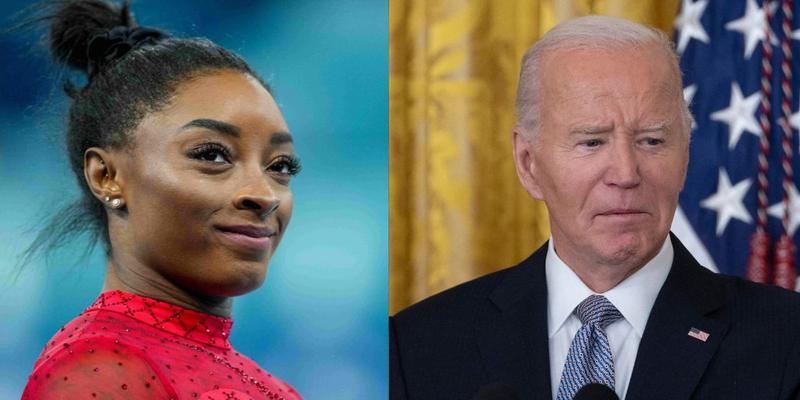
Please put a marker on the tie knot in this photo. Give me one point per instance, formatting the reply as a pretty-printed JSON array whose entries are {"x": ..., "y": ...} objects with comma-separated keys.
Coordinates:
[{"x": 597, "y": 309}]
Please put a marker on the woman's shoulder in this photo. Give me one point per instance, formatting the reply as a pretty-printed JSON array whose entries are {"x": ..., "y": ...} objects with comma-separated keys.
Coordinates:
[
  {"x": 111, "y": 353},
  {"x": 84, "y": 363},
  {"x": 90, "y": 328}
]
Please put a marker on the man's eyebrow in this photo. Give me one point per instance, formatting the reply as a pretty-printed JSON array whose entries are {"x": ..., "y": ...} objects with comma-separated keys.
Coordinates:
[
  {"x": 658, "y": 126},
  {"x": 214, "y": 125},
  {"x": 279, "y": 138},
  {"x": 591, "y": 129}
]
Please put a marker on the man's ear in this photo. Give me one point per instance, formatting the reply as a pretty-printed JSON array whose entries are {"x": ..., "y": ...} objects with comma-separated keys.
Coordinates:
[
  {"x": 101, "y": 171},
  {"x": 525, "y": 161}
]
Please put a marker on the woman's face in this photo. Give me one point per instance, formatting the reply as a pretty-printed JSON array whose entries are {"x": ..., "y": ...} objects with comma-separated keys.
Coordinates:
[{"x": 206, "y": 186}]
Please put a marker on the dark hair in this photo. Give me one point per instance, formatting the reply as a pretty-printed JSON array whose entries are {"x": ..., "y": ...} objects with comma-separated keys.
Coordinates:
[{"x": 132, "y": 71}]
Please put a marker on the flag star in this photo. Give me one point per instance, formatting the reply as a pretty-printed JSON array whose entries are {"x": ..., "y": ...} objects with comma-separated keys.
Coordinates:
[
  {"x": 796, "y": 35},
  {"x": 688, "y": 23},
  {"x": 728, "y": 201},
  {"x": 776, "y": 210},
  {"x": 794, "y": 120},
  {"x": 688, "y": 96},
  {"x": 740, "y": 115},
  {"x": 753, "y": 25}
]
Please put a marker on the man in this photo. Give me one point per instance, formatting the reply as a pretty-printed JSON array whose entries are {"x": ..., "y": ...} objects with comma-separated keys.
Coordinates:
[{"x": 602, "y": 138}]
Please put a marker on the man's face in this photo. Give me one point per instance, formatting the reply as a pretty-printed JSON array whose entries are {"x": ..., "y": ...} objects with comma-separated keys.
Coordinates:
[{"x": 611, "y": 154}]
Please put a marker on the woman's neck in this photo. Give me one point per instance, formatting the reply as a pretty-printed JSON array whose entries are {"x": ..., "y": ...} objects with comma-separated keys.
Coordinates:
[{"x": 146, "y": 282}]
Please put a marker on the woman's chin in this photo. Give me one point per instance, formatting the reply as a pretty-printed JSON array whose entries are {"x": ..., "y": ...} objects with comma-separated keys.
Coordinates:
[{"x": 244, "y": 281}]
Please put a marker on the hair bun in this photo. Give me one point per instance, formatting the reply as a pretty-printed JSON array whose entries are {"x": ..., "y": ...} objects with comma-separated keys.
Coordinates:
[
  {"x": 106, "y": 47},
  {"x": 76, "y": 22}
]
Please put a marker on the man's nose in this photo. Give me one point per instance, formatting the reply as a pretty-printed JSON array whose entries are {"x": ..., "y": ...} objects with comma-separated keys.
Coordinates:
[
  {"x": 623, "y": 169},
  {"x": 257, "y": 194}
]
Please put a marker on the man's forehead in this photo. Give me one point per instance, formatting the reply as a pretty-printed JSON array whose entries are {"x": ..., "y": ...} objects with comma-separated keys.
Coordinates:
[
  {"x": 588, "y": 57},
  {"x": 582, "y": 72}
]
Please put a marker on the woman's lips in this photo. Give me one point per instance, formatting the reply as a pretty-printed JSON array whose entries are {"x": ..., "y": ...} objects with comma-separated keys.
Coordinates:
[{"x": 247, "y": 236}]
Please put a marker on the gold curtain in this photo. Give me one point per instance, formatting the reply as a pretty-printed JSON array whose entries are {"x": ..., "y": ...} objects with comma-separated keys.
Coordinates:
[{"x": 456, "y": 208}]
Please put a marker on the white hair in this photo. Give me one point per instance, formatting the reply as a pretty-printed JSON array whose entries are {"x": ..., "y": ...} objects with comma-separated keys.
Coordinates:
[{"x": 590, "y": 32}]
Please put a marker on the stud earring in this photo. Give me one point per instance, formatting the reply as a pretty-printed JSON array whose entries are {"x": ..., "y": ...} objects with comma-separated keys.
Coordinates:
[{"x": 116, "y": 203}]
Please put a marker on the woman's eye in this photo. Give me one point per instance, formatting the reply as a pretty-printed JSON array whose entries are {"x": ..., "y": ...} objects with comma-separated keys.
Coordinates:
[
  {"x": 281, "y": 168},
  {"x": 212, "y": 153},
  {"x": 288, "y": 166},
  {"x": 213, "y": 156}
]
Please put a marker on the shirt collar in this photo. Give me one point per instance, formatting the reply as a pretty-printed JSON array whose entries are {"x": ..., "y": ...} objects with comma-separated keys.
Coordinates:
[
  {"x": 634, "y": 297},
  {"x": 190, "y": 324}
]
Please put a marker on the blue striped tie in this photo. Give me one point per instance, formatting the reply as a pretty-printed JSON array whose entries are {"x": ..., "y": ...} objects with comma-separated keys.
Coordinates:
[{"x": 589, "y": 358}]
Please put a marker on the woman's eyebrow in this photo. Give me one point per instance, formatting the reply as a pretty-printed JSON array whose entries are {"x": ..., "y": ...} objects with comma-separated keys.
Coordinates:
[
  {"x": 214, "y": 125},
  {"x": 279, "y": 138}
]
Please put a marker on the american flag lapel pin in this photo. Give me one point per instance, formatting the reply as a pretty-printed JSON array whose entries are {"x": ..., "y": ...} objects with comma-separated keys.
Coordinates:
[{"x": 698, "y": 334}]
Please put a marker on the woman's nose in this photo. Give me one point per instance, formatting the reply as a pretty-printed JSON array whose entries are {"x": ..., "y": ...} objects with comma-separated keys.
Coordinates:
[{"x": 257, "y": 195}]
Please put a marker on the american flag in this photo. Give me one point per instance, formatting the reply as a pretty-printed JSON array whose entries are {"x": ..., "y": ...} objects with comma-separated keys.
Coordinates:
[
  {"x": 741, "y": 81},
  {"x": 698, "y": 334}
]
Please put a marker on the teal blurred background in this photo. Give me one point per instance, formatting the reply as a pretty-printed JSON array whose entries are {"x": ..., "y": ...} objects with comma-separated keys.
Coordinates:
[{"x": 319, "y": 321}]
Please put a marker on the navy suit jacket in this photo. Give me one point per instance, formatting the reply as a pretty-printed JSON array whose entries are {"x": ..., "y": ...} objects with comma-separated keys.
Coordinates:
[{"x": 494, "y": 330}]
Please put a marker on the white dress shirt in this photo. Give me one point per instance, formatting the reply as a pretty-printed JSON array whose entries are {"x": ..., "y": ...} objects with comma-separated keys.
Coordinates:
[{"x": 633, "y": 297}]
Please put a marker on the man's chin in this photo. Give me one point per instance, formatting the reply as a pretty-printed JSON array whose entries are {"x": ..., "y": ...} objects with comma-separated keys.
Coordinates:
[{"x": 624, "y": 250}]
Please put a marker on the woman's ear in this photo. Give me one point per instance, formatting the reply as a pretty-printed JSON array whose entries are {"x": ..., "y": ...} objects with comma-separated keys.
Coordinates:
[{"x": 101, "y": 171}]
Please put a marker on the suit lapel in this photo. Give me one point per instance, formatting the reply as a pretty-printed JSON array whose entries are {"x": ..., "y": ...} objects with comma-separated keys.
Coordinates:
[
  {"x": 670, "y": 362},
  {"x": 514, "y": 348}
]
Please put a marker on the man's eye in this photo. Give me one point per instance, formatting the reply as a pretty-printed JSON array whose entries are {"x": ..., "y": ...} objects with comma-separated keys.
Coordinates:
[
  {"x": 593, "y": 143},
  {"x": 654, "y": 141}
]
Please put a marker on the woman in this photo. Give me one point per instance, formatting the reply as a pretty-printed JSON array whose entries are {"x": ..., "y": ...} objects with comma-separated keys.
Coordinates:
[{"x": 184, "y": 161}]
